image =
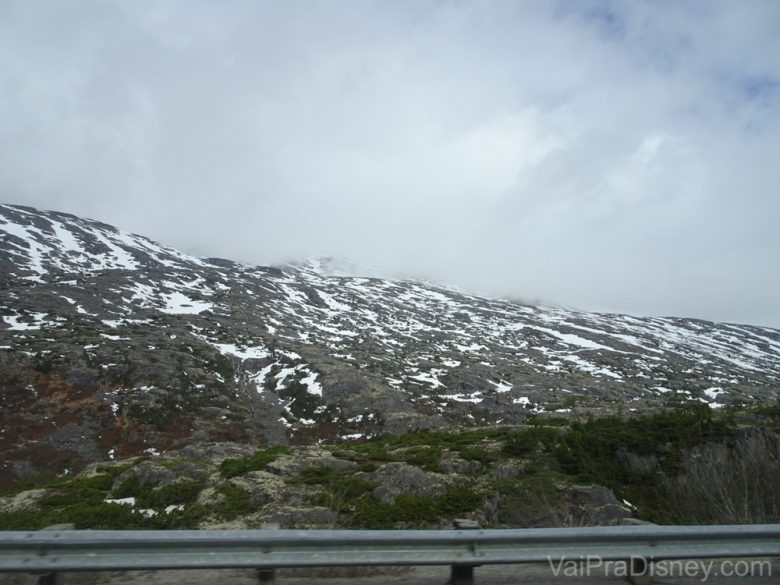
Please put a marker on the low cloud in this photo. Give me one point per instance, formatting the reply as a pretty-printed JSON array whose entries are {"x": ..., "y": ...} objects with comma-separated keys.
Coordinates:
[{"x": 607, "y": 156}]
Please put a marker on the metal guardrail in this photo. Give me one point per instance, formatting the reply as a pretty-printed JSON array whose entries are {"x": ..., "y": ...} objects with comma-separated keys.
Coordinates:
[{"x": 95, "y": 550}]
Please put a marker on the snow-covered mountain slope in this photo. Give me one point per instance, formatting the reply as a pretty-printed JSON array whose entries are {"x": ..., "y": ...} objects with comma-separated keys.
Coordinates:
[{"x": 112, "y": 344}]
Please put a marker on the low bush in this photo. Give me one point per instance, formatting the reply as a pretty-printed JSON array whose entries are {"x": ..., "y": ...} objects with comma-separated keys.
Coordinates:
[
  {"x": 414, "y": 510},
  {"x": 257, "y": 462},
  {"x": 235, "y": 502}
]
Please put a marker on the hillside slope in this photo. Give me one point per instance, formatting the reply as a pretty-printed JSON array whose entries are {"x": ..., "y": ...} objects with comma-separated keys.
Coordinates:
[{"x": 112, "y": 345}]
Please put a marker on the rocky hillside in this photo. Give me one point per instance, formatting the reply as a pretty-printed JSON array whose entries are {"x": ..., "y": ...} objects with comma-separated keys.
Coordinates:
[
  {"x": 112, "y": 346},
  {"x": 688, "y": 465}
]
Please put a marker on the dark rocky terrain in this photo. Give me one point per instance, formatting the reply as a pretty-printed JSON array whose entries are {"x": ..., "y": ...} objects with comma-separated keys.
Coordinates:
[{"x": 114, "y": 346}]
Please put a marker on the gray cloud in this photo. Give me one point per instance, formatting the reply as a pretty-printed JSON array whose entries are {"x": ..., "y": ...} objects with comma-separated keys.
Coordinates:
[{"x": 605, "y": 155}]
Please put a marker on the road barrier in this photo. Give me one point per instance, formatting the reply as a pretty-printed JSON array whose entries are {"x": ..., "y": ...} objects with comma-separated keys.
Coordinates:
[{"x": 118, "y": 550}]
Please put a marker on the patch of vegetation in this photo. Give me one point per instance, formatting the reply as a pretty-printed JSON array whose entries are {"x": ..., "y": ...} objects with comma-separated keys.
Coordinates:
[
  {"x": 532, "y": 440},
  {"x": 149, "y": 495},
  {"x": 257, "y": 462},
  {"x": 44, "y": 363},
  {"x": 83, "y": 515},
  {"x": 640, "y": 458},
  {"x": 479, "y": 454},
  {"x": 81, "y": 501},
  {"x": 177, "y": 463},
  {"x": 235, "y": 502},
  {"x": 303, "y": 403},
  {"x": 527, "y": 498},
  {"x": 406, "y": 510},
  {"x": 459, "y": 501},
  {"x": 219, "y": 364},
  {"x": 341, "y": 488},
  {"x": 104, "y": 516},
  {"x": 600, "y": 451},
  {"x": 414, "y": 510},
  {"x": 771, "y": 411},
  {"x": 88, "y": 490},
  {"x": 178, "y": 493},
  {"x": 589, "y": 449},
  {"x": 425, "y": 448},
  {"x": 28, "y": 519},
  {"x": 548, "y": 421},
  {"x": 425, "y": 456}
]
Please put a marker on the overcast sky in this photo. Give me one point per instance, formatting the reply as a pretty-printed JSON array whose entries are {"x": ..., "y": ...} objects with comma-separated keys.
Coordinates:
[{"x": 611, "y": 156}]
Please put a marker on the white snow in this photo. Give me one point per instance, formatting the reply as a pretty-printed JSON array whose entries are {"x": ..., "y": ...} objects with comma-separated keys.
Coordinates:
[
  {"x": 68, "y": 241},
  {"x": 501, "y": 386},
  {"x": 124, "y": 501},
  {"x": 571, "y": 339},
  {"x": 313, "y": 386},
  {"x": 259, "y": 377},
  {"x": 284, "y": 373},
  {"x": 475, "y": 397},
  {"x": 429, "y": 378},
  {"x": 116, "y": 258},
  {"x": 712, "y": 394},
  {"x": 587, "y": 366},
  {"x": 16, "y": 324},
  {"x": 243, "y": 353},
  {"x": 177, "y": 303}
]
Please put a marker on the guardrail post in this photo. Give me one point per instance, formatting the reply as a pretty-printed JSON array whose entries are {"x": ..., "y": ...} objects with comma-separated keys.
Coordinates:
[
  {"x": 53, "y": 578},
  {"x": 637, "y": 567},
  {"x": 637, "y": 571},
  {"x": 267, "y": 575},
  {"x": 463, "y": 574},
  {"x": 48, "y": 579}
]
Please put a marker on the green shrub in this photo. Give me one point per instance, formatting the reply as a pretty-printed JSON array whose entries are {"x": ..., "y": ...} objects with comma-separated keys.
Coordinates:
[
  {"x": 90, "y": 490},
  {"x": 219, "y": 364},
  {"x": 104, "y": 516},
  {"x": 132, "y": 487},
  {"x": 459, "y": 500},
  {"x": 148, "y": 495},
  {"x": 414, "y": 510},
  {"x": 178, "y": 493},
  {"x": 235, "y": 502},
  {"x": 374, "y": 450},
  {"x": 257, "y": 462},
  {"x": 74, "y": 496},
  {"x": 342, "y": 487},
  {"x": 29, "y": 519},
  {"x": 188, "y": 518},
  {"x": 589, "y": 449},
  {"x": 530, "y": 441},
  {"x": 302, "y": 402},
  {"x": 423, "y": 456},
  {"x": 479, "y": 454}
]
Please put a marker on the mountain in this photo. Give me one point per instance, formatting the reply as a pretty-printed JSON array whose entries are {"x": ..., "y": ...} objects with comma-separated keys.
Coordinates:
[{"x": 112, "y": 345}]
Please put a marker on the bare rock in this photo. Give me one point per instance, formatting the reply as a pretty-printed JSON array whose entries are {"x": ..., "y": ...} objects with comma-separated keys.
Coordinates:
[
  {"x": 22, "y": 501},
  {"x": 214, "y": 452},
  {"x": 452, "y": 463},
  {"x": 402, "y": 478}
]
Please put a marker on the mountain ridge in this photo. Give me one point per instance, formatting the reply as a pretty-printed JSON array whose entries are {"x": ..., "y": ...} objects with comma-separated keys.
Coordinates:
[{"x": 113, "y": 345}]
